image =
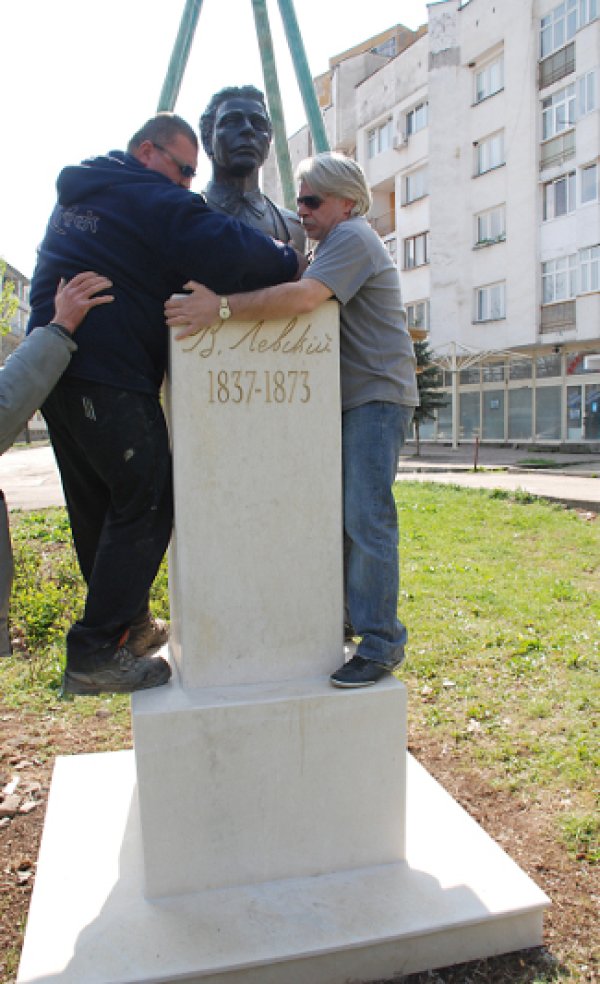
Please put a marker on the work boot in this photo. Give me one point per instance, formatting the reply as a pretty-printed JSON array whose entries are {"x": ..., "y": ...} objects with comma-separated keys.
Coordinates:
[
  {"x": 122, "y": 674},
  {"x": 147, "y": 634}
]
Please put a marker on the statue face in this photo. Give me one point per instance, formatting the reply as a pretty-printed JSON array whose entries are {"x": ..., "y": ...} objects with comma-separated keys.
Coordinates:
[{"x": 241, "y": 136}]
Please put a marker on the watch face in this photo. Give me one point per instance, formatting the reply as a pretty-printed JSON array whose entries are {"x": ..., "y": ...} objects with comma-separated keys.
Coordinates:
[{"x": 224, "y": 310}]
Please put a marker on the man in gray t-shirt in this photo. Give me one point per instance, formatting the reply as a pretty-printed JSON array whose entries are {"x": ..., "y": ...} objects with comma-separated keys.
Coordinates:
[
  {"x": 379, "y": 390},
  {"x": 376, "y": 353}
]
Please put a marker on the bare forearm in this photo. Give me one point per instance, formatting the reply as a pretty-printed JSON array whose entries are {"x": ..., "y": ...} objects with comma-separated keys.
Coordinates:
[
  {"x": 199, "y": 309},
  {"x": 273, "y": 302}
]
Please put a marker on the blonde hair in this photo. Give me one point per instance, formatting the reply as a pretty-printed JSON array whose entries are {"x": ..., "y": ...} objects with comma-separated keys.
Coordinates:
[{"x": 334, "y": 174}]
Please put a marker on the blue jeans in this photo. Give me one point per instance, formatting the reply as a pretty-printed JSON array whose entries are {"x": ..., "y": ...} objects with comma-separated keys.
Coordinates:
[{"x": 372, "y": 436}]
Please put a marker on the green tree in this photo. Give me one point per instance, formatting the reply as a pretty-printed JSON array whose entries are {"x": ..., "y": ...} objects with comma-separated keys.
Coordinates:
[
  {"x": 8, "y": 302},
  {"x": 429, "y": 380}
]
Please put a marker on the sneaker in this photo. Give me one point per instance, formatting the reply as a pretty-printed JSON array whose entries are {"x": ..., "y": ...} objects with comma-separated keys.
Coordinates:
[
  {"x": 358, "y": 672},
  {"x": 147, "y": 635},
  {"x": 123, "y": 674}
]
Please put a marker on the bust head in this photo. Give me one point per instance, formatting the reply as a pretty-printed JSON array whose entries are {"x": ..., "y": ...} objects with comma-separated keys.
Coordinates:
[{"x": 236, "y": 132}]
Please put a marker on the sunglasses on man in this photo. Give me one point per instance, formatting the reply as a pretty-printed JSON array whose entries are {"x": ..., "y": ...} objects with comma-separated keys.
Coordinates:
[
  {"x": 186, "y": 170},
  {"x": 313, "y": 202}
]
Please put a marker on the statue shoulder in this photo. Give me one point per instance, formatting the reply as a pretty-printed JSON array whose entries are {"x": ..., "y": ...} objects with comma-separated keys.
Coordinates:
[{"x": 295, "y": 228}]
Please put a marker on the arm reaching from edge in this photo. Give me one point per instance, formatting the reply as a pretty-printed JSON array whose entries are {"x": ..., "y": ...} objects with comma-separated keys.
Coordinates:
[
  {"x": 74, "y": 299},
  {"x": 200, "y": 309},
  {"x": 39, "y": 361}
]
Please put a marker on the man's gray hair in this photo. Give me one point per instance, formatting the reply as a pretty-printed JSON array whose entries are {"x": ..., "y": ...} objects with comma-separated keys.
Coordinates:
[{"x": 334, "y": 174}]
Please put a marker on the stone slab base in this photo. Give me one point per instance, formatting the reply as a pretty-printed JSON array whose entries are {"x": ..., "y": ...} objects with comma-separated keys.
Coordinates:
[
  {"x": 254, "y": 784},
  {"x": 457, "y": 897}
]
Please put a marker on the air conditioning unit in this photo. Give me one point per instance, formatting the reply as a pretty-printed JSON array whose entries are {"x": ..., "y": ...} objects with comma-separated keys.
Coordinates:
[{"x": 400, "y": 141}]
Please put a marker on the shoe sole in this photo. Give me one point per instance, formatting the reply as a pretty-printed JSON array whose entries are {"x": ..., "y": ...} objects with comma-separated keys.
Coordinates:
[
  {"x": 79, "y": 688},
  {"x": 353, "y": 686}
]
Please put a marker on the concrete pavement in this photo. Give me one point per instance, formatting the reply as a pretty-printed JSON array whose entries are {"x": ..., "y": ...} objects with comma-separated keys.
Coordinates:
[
  {"x": 574, "y": 479},
  {"x": 30, "y": 480}
]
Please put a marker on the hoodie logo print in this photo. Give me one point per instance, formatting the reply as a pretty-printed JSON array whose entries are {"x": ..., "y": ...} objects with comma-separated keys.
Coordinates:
[{"x": 65, "y": 218}]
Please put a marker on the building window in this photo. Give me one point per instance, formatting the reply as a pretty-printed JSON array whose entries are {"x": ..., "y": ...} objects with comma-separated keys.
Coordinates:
[
  {"x": 416, "y": 251},
  {"x": 586, "y": 93},
  {"x": 379, "y": 138},
  {"x": 548, "y": 366},
  {"x": 589, "y": 183},
  {"x": 391, "y": 244},
  {"x": 490, "y": 153},
  {"x": 559, "y": 196},
  {"x": 589, "y": 269},
  {"x": 558, "y": 26},
  {"x": 387, "y": 48},
  {"x": 558, "y": 112},
  {"x": 489, "y": 79},
  {"x": 490, "y": 226},
  {"x": 417, "y": 315},
  {"x": 493, "y": 372},
  {"x": 417, "y": 118},
  {"x": 520, "y": 404},
  {"x": 588, "y": 11},
  {"x": 548, "y": 413},
  {"x": 559, "y": 279},
  {"x": 415, "y": 185},
  {"x": 490, "y": 303}
]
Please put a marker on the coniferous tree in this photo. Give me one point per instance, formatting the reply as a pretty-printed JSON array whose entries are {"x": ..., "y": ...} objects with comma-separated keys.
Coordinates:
[{"x": 429, "y": 380}]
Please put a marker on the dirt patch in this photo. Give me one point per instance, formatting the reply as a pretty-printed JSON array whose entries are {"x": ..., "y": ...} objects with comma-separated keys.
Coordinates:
[{"x": 526, "y": 830}]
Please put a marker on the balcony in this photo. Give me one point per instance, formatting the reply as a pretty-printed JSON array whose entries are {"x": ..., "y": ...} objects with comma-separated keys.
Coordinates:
[
  {"x": 557, "y": 65},
  {"x": 558, "y": 150},
  {"x": 557, "y": 317},
  {"x": 384, "y": 225}
]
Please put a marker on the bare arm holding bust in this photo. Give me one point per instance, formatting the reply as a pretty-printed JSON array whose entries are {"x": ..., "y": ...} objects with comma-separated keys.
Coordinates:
[{"x": 199, "y": 309}]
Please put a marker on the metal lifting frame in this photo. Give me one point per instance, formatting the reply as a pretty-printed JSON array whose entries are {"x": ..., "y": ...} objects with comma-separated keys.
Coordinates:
[{"x": 180, "y": 55}]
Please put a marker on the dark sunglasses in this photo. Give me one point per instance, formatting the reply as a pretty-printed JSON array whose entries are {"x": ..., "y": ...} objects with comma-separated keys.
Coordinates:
[
  {"x": 186, "y": 170},
  {"x": 313, "y": 202}
]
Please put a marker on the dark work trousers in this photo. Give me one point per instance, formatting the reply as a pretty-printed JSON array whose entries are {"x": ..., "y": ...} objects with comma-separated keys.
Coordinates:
[{"x": 113, "y": 454}]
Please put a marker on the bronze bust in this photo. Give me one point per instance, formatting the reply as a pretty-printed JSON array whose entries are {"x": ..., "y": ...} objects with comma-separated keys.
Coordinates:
[{"x": 236, "y": 131}]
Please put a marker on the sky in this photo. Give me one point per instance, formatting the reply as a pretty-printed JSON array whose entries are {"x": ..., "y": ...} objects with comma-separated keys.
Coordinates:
[{"x": 77, "y": 79}]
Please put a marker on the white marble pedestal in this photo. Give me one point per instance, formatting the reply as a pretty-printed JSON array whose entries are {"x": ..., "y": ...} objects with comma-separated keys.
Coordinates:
[
  {"x": 263, "y": 831},
  {"x": 243, "y": 785},
  {"x": 456, "y": 897}
]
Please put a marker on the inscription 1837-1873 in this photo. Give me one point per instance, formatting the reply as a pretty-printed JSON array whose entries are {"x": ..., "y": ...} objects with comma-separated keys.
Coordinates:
[{"x": 239, "y": 385}]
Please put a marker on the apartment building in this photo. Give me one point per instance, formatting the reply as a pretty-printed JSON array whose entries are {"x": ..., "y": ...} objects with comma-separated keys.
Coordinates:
[
  {"x": 18, "y": 322},
  {"x": 480, "y": 137}
]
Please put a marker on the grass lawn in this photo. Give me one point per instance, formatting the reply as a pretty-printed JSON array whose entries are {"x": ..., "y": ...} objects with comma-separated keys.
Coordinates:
[{"x": 501, "y": 595}]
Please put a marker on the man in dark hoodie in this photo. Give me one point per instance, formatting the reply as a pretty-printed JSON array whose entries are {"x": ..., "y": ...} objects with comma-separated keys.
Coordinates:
[{"x": 131, "y": 217}]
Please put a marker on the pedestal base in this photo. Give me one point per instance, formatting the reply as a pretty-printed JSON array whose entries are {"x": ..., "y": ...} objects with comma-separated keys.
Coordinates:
[
  {"x": 457, "y": 897},
  {"x": 254, "y": 784}
]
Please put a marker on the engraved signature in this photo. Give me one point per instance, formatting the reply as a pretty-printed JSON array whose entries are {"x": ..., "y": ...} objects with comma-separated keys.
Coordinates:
[{"x": 291, "y": 340}]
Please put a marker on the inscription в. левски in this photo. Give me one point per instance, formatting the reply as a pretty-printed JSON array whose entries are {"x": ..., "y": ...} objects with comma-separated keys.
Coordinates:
[{"x": 268, "y": 385}]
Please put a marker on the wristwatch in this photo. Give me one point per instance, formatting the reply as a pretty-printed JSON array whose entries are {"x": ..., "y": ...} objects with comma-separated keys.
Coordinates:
[{"x": 224, "y": 309}]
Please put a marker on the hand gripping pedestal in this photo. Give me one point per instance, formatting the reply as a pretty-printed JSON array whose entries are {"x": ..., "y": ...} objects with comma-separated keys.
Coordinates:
[{"x": 262, "y": 833}]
